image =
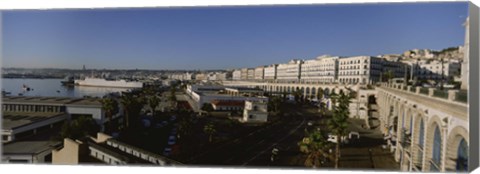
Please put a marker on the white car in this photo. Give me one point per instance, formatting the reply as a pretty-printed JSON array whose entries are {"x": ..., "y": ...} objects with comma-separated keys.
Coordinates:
[
  {"x": 334, "y": 139},
  {"x": 352, "y": 135}
]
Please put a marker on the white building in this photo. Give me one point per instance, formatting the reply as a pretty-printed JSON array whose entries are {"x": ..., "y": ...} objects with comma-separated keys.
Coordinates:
[
  {"x": 433, "y": 70},
  {"x": 360, "y": 69},
  {"x": 221, "y": 76},
  {"x": 270, "y": 72},
  {"x": 237, "y": 75},
  {"x": 250, "y": 73},
  {"x": 289, "y": 72},
  {"x": 25, "y": 116},
  {"x": 321, "y": 69},
  {"x": 200, "y": 95},
  {"x": 244, "y": 74},
  {"x": 259, "y": 73},
  {"x": 255, "y": 111}
]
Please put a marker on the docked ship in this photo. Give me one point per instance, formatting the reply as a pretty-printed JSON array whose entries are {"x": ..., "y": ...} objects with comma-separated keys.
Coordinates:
[{"x": 100, "y": 82}]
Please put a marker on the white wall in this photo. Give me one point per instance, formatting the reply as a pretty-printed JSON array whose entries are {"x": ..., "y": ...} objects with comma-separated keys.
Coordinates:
[{"x": 97, "y": 113}]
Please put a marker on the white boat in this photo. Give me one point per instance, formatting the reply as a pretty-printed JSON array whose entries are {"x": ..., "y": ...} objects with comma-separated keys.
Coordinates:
[{"x": 108, "y": 83}]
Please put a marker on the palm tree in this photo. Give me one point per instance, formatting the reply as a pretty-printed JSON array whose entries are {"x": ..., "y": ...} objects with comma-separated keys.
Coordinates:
[
  {"x": 316, "y": 148},
  {"x": 184, "y": 126},
  {"x": 297, "y": 94},
  {"x": 209, "y": 129},
  {"x": 320, "y": 94},
  {"x": 274, "y": 103},
  {"x": 207, "y": 107},
  {"x": 153, "y": 102},
  {"x": 173, "y": 97},
  {"x": 110, "y": 106},
  {"x": 338, "y": 124},
  {"x": 132, "y": 105},
  {"x": 78, "y": 128}
]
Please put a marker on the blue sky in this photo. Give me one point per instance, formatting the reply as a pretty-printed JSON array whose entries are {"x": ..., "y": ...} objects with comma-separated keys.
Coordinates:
[{"x": 223, "y": 37}]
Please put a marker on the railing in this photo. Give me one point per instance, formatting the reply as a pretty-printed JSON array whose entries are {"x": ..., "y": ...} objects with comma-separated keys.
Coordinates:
[
  {"x": 462, "y": 96},
  {"x": 424, "y": 90},
  {"x": 434, "y": 166},
  {"x": 451, "y": 95},
  {"x": 413, "y": 89},
  {"x": 441, "y": 94}
]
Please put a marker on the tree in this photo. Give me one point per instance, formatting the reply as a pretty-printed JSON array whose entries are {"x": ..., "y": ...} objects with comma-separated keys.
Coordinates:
[
  {"x": 209, "y": 129},
  {"x": 387, "y": 75},
  {"x": 172, "y": 97},
  {"x": 274, "y": 103},
  {"x": 185, "y": 125},
  {"x": 110, "y": 106},
  {"x": 132, "y": 105},
  {"x": 153, "y": 102},
  {"x": 297, "y": 94},
  {"x": 320, "y": 94},
  {"x": 338, "y": 124},
  {"x": 79, "y": 128},
  {"x": 316, "y": 148},
  {"x": 207, "y": 107}
]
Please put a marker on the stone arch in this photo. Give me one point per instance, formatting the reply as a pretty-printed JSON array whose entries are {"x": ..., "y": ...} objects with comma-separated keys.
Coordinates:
[
  {"x": 418, "y": 140},
  {"x": 307, "y": 92},
  {"x": 454, "y": 160},
  {"x": 433, "y": 144},
  {"x": 326, "y": 92},
  {"x": 314, "y": 92},
  {"x": 409, "y": 120}
]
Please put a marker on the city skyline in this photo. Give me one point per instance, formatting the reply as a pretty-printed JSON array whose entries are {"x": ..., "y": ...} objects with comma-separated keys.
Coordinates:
[{"x": 232, "y": 37}]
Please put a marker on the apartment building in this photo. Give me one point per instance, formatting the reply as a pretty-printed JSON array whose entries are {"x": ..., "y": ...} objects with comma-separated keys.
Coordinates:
[
  {"x": 289, "y": 72},
  {"x": 270, "y": 72},
  {"x": 360, "y": 69},
  {"x": 259, "y": 73},
  {"x": 321, "y": 69}
]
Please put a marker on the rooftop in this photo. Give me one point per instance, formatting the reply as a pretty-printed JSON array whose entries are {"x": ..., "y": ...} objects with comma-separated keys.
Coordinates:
[
  {"x": 28, "y": 147},
  {"x": 11, "y": 120},
  {"x": 51, "y": 100}
]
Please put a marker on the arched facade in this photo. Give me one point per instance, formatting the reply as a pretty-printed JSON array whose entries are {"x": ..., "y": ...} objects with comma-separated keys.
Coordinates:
[{"x": 429, "y": 138}]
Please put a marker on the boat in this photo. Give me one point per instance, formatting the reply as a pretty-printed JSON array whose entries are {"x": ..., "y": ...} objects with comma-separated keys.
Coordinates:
[
  {"x": 100, "y": 82},
  {"x": 68, "y": 81},
  {"x": 5, "y": 93},
  {"x": 26, "y": 88}
]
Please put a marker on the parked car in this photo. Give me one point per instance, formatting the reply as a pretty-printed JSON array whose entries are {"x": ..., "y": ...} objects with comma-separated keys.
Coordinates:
[
  {"x": 171, "y": 140},
  {"x": 167, "y": 151},
  {"x": 334, "y": 139},
  {"x": 345, "y": 139}
]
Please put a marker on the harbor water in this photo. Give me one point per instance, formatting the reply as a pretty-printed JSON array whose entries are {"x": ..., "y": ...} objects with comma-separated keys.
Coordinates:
[{"x": 52, "y": 88}]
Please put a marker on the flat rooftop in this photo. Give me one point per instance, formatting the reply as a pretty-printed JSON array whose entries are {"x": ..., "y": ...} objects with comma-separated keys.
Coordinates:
[
  {"x": 12, "y": 120},
  {"x": 28, "y": 147},
  {"x": 50, "y": 100}
]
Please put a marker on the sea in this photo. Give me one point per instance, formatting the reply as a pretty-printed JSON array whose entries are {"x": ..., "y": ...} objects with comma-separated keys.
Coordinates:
[{"x": 53, "y": 88}]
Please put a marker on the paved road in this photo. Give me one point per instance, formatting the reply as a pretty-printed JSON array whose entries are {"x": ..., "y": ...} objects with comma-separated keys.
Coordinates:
[{"x": 255, "y": 149}]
